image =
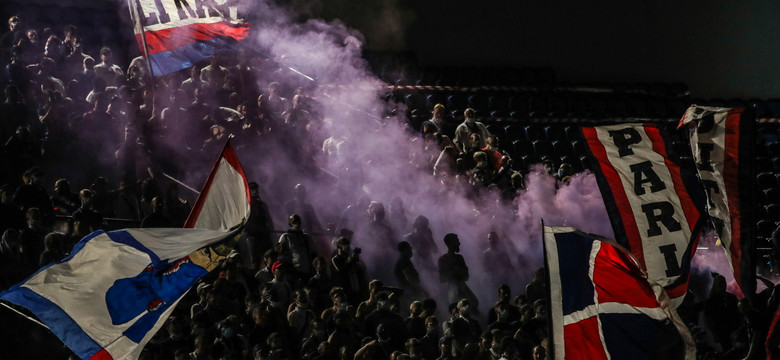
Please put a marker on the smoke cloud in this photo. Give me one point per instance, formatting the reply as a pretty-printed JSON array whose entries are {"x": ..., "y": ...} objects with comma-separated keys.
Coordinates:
[{"x": 373, "y": 155}]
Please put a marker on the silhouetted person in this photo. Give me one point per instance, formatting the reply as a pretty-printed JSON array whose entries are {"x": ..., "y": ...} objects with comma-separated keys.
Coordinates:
[
  {"x": 85, "y": 218},
  {"x": 157, "y": 218},
  {"x": 421, "y": 239},
  {"x": 454, "y": 272},
  {"x": 299, "y": 248},
  {"x": 259, "y": 227}
]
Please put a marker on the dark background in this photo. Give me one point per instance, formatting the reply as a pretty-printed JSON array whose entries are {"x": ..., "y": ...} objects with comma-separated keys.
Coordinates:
[{"x": 719, "y": 48}]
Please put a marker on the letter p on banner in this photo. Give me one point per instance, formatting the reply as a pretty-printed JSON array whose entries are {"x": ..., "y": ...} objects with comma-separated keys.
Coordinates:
[{"x": 649, "y": 199}]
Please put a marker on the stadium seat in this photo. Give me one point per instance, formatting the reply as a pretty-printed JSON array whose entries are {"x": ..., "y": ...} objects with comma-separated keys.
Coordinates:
[
  {"x": 579, "y": 147},
  {"x": 518, "y": 116},
  {"x": 499, "y": 115},
  {"x": 478, "y": 102},
  {"x": 543, "y": 149},
  {"x": 573, "y": 161},
  {"x": 766, "y": 180},
  {"x": 522, "y": 148},
  {"x": 765, "y": 228},
  {"x": 586, "y": 162},
  {"x": 772, "y": 196},
  {"x": 762, "y": 163},
  {"x": 497, "y": 130},
  {"x": 530, "y": 160},
  {"x": 456, "y": 102},
  {"x": 772, "y": 148},
  {"x": 555, "y": 132},
  {"x": 534, "y": 132},
  {"x": 518, "y": 103},
  {"x": 772, "y": 212},
  {"x": 561, "y": 148},
  {"x": 573, "y": 133},
  {"x": 415, "y": 101},
  {"x": 515, "y": 132},
  {"x": 435, "y": 98},
  {"x": 456, "y": 115},
  {"x": 498, "y": 103}
]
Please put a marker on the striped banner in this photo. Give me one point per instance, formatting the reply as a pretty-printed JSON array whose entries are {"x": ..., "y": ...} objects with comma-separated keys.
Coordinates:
[
  {"x": 722, "y": 145},
  {"x": 649, "y": 205}
]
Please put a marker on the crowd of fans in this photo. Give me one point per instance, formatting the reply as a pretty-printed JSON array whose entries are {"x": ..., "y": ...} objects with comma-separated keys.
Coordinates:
[{"x": 84, "y": 120}]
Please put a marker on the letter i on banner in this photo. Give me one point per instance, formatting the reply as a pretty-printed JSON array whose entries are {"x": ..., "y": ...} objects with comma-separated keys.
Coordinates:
[
  {"x": 722, "y": 146},
  {"x": 648, "y": 200}
]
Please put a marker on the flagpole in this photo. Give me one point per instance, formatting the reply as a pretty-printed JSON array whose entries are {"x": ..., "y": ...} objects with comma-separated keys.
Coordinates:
[
  {"x": 24, "y": 315},
  {"x": 181, "y": 183},
  {"x": 134, "y": 5},
  {"x": 548, "y": 295}
]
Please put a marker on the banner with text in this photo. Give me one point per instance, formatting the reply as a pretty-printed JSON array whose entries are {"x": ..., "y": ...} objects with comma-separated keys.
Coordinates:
[
  {"x": 175, "y": 35},
  {"x": 648, "y": 201},
  {"x": 722, "y": 146}
]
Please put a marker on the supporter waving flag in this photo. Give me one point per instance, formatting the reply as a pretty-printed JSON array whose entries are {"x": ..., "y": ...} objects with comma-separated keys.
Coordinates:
[
  {"x": 654, "y": 208},
  {"x": 722, "y": 145},
  {"x": 602, "y": 305},
  {"x": 116, "y": 289},
  {"x": 176, "y": 35}
]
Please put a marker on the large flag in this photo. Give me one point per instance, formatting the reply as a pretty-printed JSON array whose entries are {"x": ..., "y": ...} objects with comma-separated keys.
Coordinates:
[
  {"x": 648, "y": 201},
  {"x": 174, "y": 35},
  {"x": 602, "y": 306},
  {"x": 116, "y": 289},
  {"x": 722, "y": 145}
]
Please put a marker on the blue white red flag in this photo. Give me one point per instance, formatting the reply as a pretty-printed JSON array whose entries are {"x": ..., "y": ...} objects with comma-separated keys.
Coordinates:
[
  {"x": 654, "y": 204},
  {"x": 175, "y": 35},
  {"x": 602, "y": 305},
  {"x": 116, "y": 289}
]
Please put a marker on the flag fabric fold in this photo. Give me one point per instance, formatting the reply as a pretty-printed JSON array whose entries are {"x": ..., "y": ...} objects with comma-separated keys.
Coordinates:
[
  {"x": 602, "y": 306},
  {"x": 116, "y": 289},
  {"x": 653, "y": 207},
  {"x": 722, "y": 146}
]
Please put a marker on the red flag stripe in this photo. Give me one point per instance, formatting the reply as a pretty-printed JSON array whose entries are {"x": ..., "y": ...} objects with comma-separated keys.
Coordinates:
[
  {"x": 731, "y": 181},
  {"x": 172, "y": 38},
  {"x": 229, "y": 155},
  {"x": 621, "y": 200}
]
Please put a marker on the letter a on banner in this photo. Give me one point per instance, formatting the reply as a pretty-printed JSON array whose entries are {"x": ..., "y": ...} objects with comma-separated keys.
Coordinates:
[
  {"x": 722, "y": 145},
  {"x": 648, "y": 202}
]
